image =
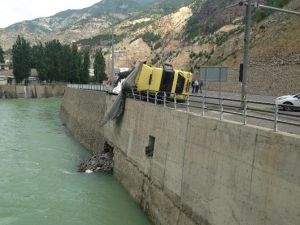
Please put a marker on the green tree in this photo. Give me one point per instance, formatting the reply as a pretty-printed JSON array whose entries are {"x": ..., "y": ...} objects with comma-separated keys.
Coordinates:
[
  {"x": 85, "y": 66},
  {"x": 53, "y": 57},
  {"x": 99, "y": 67},
  {"x": 76, "y": 62},
  {"x": 39, "y": 61},
  {"x": 66, "y": 61},
  {"x": 1, "y": 55},
  {"x": 21, "y": 59},
  {"x": 56, "y": 62}
]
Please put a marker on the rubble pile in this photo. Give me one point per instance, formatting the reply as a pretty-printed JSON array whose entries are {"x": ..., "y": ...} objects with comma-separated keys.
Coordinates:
[{"x": 102, "y": 162}]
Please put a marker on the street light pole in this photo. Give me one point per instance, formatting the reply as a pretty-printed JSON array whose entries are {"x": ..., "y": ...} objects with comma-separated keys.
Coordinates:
[
  {"x": 249, "y": 5},
  {"x": 246, "y": 52}
]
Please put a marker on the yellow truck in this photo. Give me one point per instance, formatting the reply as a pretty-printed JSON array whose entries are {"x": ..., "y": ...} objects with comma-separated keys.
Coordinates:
[{"x": 165, "y": 79}]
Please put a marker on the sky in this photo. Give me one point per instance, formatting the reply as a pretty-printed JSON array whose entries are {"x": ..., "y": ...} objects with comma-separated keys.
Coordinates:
[{"x": 13, "y": 11}]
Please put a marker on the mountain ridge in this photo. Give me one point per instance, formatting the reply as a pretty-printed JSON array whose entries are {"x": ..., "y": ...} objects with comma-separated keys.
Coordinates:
[
  {"x": 100, "y": 15},
  {"x": 167, "y": 32}
]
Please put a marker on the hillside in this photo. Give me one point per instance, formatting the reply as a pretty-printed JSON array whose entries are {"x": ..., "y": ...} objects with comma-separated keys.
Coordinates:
[
  {"x": 274, "y": 49},
  {"x": 185, "y": 33}
]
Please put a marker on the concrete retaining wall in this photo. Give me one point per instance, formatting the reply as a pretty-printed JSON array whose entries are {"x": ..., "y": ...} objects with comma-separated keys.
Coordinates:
[
  {"x": 31, "y": 91},
  {"x": 82, "y": 111},
  {"x": 203, "y": 171}
]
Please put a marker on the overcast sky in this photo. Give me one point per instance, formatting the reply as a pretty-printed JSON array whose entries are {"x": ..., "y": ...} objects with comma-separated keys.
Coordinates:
[{"x": 13, "y": 11}]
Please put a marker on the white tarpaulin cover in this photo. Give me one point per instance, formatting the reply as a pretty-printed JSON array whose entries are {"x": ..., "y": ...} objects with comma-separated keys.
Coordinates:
[{"x": 118, "y": 106}]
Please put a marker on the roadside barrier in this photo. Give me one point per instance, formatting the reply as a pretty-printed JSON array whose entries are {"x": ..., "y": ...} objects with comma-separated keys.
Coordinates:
[{"x": 259, "y": 113}]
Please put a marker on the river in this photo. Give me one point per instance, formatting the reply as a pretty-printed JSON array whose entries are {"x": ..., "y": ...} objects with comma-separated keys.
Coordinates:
[{"x": 39, "y": 184}]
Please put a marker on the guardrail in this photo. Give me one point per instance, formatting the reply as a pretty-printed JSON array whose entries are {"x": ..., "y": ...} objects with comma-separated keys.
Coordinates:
[
  {"x": 246, "y": 110},
  {"x": 95, "y": 87}
]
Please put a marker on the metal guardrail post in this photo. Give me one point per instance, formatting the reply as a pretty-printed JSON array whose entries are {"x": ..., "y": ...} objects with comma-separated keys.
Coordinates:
[
  {"x": 147, "y": 95},
  {"x": 188, "y": 103},
  {"x": 203, "y": 105},
  {"x": 165, "y": 98},
  {"x": 175, "y": 101},
  {"x": 140, "y": 95},
  {"x": 133, "y": 93},
  {"x": 245, "y": 112},
  {"x": 155, "y": 98},
  {"x": 221, "y": 109},
  {"x": 276, "y": 118}
]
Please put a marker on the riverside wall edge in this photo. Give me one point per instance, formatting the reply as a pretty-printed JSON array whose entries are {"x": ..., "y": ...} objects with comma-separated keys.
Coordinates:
[
  {"x": 203, "y": 171},
  {"x": 31, "y": 91}
]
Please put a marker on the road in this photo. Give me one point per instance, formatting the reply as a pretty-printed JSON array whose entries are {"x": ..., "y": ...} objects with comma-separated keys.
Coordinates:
[
  {"x": 255, "y": 111},
  {"x": 260, "y": 112}
]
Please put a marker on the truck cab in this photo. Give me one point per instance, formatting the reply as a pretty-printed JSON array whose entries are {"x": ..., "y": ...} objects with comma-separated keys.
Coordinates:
[{"x": 165, "y": 79}]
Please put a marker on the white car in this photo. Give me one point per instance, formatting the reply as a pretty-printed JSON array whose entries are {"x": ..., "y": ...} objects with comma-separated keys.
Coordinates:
[{"x": 289, "y": 102}]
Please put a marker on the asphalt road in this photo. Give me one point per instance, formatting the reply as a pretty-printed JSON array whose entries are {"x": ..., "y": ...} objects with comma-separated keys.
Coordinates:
[{"x": 259, "y": 114}]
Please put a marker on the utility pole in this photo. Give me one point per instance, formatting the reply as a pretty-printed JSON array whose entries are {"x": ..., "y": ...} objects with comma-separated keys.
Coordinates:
[
  {"x": 246, "y": 52},
  {"x": 249, "y": 5}
]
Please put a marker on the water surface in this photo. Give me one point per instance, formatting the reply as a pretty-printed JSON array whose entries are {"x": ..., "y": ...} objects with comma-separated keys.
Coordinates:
[{"x": 39, "y": 184}]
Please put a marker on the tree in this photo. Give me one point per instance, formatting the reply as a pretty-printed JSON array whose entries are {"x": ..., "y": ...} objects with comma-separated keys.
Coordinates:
[
  {"x": 99, "y": 67},
  {"x": 76, "y": 61},
  {"x": 56, "y": 62},
  {"x": 21, "y": 59},
  {"x": 39, "y": 62},
  {"x": 66, "y": 61},
  {"x": 1, "y": 55},
  {"x": 85, "y": 66},
  {"x": 53, "y": 60}
]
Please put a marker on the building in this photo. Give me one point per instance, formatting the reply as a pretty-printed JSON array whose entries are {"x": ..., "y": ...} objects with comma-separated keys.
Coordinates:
[
  {"x": 4, "y": 66},
  {"x": 7, "y": 77}
]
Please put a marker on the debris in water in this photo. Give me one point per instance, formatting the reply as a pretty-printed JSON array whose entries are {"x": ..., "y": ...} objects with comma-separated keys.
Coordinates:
[
  {"x": 88, "y": 171},
  {"x": 99, "y": 162}
]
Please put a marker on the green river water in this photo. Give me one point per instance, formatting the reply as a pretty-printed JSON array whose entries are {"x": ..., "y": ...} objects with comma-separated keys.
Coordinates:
[{"x": 39, "y": 184}]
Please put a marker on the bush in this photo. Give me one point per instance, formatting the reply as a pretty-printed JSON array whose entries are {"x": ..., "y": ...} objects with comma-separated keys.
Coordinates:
[
  {"x": 222, "y": 38},
  {"x": 150, "y": 38},
  {"x": 157, "y": 45},
  {"x": 192, "y": 55}
]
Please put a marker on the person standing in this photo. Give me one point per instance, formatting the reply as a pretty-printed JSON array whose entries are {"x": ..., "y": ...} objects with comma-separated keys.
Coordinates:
[
  {"x": 196, "y": 85},
  {"x": 200, "y": 85},
  {"x": 193, "y": 86}
]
